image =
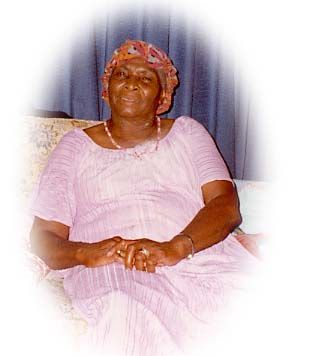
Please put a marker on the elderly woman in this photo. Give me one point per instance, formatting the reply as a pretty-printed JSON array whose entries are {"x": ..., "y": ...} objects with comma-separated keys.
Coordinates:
[{"x": 137, "y": 214}]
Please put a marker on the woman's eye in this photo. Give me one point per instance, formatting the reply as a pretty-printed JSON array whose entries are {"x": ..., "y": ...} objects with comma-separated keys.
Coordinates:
[
  {"x": 146, "y": 79},
  {"x": 120, "y": 74}
]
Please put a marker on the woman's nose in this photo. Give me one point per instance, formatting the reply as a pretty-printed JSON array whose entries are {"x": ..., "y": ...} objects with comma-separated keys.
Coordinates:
[{"x": 131, "y": 83}]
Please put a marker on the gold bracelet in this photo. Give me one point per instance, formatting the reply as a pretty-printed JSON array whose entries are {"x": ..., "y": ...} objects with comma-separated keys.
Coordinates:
[{"x": 190, "y": 255}]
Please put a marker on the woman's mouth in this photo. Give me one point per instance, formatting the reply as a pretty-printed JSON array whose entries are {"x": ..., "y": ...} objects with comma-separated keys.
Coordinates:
[{"x": 128, "y": 99}]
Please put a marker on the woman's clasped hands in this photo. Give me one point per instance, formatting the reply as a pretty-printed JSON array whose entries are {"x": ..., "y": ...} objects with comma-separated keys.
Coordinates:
[
  {"x": 145, "y": 255},
  {"x": 142, "y": 254}
]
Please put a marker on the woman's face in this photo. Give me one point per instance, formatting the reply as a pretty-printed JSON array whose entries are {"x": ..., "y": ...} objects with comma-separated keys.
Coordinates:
[{"x": 134, "y": 89}]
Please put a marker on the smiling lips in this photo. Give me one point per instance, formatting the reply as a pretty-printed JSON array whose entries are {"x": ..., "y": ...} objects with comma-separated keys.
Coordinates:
[{"x": 128, "y": 99}]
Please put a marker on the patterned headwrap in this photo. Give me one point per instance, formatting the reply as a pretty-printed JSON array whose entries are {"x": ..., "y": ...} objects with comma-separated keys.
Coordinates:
[{"x": 154, "y": 57}]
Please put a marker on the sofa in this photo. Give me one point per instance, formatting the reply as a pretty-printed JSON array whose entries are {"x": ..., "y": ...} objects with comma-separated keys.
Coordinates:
[{"x": 39, "y": 136}]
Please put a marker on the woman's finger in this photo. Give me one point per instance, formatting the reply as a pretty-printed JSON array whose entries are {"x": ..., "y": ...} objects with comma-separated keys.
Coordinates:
[
  {"x": 118, "y": 245},
  {"x": 129, "y": 256},
  {"x": 117, "y": 238},
  {"x": 124, "y": 245},
  {"x": 113, "y": 247},
  {"x": 118, "y": 258},
  {"x": 150, "y": 266},
  {"x": 140, "y": 262}
]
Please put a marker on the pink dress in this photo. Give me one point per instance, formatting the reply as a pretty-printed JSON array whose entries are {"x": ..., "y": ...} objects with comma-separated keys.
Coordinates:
[{"x": 101, "y": 193}]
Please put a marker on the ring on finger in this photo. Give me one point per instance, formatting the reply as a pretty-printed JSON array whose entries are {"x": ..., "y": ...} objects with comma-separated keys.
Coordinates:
[{"x": 144, "y": 251}]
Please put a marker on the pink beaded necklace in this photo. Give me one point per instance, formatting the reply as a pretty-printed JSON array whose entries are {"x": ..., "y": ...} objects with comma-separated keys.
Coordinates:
[{"x": 134, "y": 154}]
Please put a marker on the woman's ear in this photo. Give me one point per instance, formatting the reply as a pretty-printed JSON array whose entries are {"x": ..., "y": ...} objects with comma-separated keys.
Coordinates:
[
  {"x": 162, "y": 96},
  {"x": 163, "y": 104}
]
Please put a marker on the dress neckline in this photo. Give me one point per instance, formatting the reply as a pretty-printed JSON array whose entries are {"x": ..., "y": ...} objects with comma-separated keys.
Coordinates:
[{"x": 129, "y": 149}]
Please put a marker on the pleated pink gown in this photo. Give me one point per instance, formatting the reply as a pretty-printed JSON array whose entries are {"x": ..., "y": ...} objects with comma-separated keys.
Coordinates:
[{"x": 101, "y": 193}]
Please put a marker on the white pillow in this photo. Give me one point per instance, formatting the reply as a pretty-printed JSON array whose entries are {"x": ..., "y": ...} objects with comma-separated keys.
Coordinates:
[{"x": 255, "y": 201}]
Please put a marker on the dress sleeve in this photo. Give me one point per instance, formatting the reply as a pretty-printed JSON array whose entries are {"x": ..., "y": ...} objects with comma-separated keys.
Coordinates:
[
  {"x": 53, "y": 197},
  {"x": 209, "y": 162}
]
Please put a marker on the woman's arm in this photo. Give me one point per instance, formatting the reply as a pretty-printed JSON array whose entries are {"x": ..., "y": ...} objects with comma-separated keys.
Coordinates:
[
  {"x": 50, "y": 241},
  {"x": 215, "y": 220},
  {"x": 212, "y": 224}
]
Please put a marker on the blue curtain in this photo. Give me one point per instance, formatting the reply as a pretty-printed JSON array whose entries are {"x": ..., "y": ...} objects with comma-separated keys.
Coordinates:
[{"x": 207, "y": 83}]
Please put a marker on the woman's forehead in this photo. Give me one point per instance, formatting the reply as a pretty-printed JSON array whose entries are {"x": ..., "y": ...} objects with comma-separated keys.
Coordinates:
[{"x": 136, "y": 64}]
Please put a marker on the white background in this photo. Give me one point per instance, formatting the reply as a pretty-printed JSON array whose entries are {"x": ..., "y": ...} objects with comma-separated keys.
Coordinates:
[{"x": 273, "y": 41}]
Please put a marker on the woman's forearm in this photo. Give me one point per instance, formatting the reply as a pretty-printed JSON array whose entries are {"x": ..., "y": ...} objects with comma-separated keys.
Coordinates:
[
  {"x": 212, "y": 223},
  {"x": 56, "y": 252}
]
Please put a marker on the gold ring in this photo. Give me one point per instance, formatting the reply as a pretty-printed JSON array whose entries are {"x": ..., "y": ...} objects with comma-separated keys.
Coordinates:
[
  {"x": 120, "y": 253},
  {"x": 144, "y": 251}
]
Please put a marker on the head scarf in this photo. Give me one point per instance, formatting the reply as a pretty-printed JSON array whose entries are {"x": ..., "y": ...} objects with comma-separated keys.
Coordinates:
[{"x": 154, "y": 57}]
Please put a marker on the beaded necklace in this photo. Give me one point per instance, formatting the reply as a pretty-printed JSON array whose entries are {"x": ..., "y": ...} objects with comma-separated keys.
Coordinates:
[{"x": 134, "y": 154}]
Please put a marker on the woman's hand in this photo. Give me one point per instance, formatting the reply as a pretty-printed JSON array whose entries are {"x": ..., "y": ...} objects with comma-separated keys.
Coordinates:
[
  {"x": 103, "y": 252},
  {"x": 146, "y": 255}
]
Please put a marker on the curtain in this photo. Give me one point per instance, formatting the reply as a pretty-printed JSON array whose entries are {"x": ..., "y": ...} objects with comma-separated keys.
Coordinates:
[{"x": 208, "y": 90}]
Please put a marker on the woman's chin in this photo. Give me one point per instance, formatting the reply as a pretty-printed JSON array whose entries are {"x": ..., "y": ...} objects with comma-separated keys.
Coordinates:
[{"x": 128, "y": 113}]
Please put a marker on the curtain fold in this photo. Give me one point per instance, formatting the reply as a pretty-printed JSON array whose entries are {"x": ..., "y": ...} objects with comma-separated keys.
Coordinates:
[{"x": 208, "y": 89}]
